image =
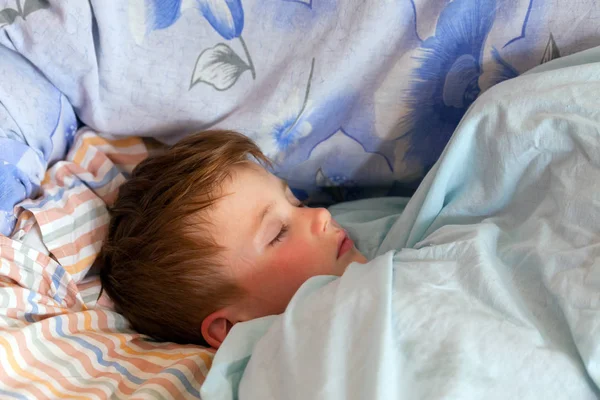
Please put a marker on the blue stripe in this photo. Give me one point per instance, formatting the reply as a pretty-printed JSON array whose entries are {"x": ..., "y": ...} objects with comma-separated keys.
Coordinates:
[
  {"x": 110, "y": 175},
  {"x": 34, "y": 311},
  {"x": 184, "y": 381},
  {"x": 54, "y": 197},
  {"x": 11, "y": 394},
  {"x": 56, "y": 277},
  {"x": 99, "y": 358},
  {"x": 138, "y": 381}
]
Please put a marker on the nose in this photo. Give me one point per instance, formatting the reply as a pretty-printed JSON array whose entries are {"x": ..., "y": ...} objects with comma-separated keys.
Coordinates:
[{"x": 321, "y": 219}]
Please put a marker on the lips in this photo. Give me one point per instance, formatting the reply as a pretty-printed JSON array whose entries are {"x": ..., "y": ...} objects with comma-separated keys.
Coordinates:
[{"x": 344, "y": 245}]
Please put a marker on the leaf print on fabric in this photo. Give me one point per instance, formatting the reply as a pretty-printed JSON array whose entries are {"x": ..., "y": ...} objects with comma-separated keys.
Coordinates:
[
  {"x": 34, "y": 5},
  {"x": 551, "y": 52},
  {"x": 218, "y": 66},
  {"x": 9, "y": 15}
]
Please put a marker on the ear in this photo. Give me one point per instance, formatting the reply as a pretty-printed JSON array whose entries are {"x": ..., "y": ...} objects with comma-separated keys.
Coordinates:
[{"x": 215, "y": 327}]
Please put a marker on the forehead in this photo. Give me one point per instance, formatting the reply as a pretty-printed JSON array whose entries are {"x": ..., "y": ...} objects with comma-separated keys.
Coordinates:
[
  {"x": 249, "y": 187},
  {"x": 245, "y": 177}
]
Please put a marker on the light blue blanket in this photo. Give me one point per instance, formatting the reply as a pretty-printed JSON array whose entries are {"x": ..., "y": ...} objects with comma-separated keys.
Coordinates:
[
  {"x": 486, "y": 287},
  {"x": 349, "y": 97}
]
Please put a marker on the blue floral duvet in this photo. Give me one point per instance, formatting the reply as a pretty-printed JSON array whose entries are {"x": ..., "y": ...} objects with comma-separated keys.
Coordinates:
[{"x": 350, "y": 98}]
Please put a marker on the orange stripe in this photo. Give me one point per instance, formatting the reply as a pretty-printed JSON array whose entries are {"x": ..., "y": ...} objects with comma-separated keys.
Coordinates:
[
  {"x": 76, "y": 356},
  {"x": 80, "y": 153},
  {"x": 81, "y": 264},
  {"x": 19, "y": 371},
  {"x": 47, "y": 178},
  {"x": 140, "y": 363},
  {"x": 148, "y": 349},
  {"x": 164, "y": 383},
  {"x": 71, "y": 325},
  {"x": 139, "y": 356},
  {"x": 33, "y": 362},
  {"x": 147, "y": 366},
  {"x": 191, "y": 365}
]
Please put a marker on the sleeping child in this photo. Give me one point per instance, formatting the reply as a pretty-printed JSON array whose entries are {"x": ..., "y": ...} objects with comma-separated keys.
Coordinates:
[{"x": 203, "y": 237}]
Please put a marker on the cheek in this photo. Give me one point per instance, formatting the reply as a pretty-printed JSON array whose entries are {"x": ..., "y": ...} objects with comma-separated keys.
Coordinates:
[{"x": 299, "y": 260}]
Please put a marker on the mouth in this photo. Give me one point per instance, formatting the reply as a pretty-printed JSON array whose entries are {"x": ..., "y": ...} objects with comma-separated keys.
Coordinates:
[{"x": 344, "y": 245}]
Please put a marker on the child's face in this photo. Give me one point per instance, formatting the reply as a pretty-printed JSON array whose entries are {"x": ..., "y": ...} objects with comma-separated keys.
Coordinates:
[{"x": 274, "y": 244}]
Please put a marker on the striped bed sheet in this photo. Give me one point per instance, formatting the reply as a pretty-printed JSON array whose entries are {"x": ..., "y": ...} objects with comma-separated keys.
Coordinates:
[{"x": 57, "y": 338}]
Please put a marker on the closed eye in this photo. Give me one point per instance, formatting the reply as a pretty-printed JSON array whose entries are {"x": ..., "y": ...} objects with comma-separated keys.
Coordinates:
[{"x": 280, "y": 235}]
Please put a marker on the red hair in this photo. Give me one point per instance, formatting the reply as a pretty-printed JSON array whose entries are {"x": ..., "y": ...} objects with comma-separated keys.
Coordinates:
[{"x": 161, "y": 266}]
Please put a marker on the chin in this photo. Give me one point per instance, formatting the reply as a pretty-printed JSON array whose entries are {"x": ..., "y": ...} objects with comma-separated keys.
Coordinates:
[
  {"x": 353, "y": 256},
  {"x": 356, "y": 256}
]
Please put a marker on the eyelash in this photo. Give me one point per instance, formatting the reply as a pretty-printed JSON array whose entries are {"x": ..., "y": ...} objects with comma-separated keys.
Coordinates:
[
  {"x": 280, "y": 235},
  {"x": 283, "y": 231}
]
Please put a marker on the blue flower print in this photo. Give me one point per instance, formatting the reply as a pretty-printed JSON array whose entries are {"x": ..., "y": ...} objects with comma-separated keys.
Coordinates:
[
  {"x": 447, "y": 81},
  {"x": 218, "y": 66},
  {"x": 162, "y": 13},
  {"x": 225, "y": 16}
]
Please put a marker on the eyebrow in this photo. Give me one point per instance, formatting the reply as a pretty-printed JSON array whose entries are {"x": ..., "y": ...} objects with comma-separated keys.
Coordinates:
[{"x": 265, "y": 211}]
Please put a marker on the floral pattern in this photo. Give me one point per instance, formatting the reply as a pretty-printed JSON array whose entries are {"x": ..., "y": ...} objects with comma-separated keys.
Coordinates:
[
  {"x": 218, "y": 66},
  {"x": 320, "y": 140},
  {"x": 330, "y": 147},
  {"x": 447, "y": 81}
]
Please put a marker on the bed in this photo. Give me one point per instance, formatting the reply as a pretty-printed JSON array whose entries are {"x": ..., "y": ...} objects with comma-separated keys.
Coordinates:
[{"x": 350, "y": 99}]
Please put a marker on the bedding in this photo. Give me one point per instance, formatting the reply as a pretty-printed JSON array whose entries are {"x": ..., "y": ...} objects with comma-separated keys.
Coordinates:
[
  {"x": 485, "y": 285},
  {"x": 349, "y": 101},
  {"x": 351, "y": 98},
  {"x": 57, "y": 338}
]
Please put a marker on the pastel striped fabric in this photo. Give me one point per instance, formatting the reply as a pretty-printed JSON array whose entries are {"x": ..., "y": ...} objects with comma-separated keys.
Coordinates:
[{"x": 57, "y": 340}]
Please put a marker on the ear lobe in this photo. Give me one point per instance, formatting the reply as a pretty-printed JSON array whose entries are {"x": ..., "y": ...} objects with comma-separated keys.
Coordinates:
[{"x": 215, "y": 328}]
